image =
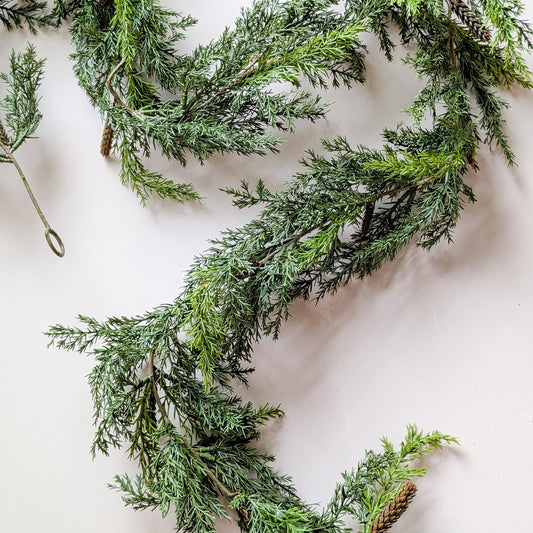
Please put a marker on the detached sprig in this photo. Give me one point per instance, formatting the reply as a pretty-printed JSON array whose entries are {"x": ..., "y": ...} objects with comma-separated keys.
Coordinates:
[{"x": 22, "y": 117}]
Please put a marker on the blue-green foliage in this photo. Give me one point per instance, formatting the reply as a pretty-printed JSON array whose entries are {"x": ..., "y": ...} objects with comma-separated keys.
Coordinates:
[
  {"x": 220, "y": 97},
  {"x": 163, "y": 382},
  {"x": 20, "y": 104}
]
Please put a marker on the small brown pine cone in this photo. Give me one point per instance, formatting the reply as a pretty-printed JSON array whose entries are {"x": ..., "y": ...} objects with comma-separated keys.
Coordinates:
[
  {"x": 395, "y": 508},
  {"x": 107, "y": 140},
  {"x": 469, "y": 19},
  {"x": 367, "y": 217},
  {"x": 4, "y": 137}
]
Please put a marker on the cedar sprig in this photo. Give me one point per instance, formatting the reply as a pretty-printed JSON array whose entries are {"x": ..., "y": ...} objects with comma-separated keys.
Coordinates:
[
  {"x": 219, "y": 98},
  {"x": 20, "y": 104},
  {"x": 22, "y": 117},
  {"x": 243, "y": 286}
]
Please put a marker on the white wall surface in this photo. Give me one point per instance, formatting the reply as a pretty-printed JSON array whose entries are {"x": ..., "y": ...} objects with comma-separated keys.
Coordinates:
[{"x": 440, "y": 339}]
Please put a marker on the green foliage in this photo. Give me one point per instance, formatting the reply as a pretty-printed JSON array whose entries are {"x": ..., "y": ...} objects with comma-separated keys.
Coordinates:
[
  {"x": 20, "y": 105},
  {"x": 22, "y": 116},
  {"x": 224, "y": 96},
  {"x": 219, "y": 98},
  {"x": 366, "y": 491},
  {"x": 163, "y": 383},
  {"x": 29, "y": 14}
]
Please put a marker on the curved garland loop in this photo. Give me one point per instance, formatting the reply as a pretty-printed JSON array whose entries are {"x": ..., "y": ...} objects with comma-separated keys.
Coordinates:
[{"x": 162, "y": 383}]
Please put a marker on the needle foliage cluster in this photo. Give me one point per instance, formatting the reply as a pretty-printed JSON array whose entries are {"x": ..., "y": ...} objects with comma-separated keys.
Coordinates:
[
  {"x": 25, "y": 14},
  {"x": 20, "y": 103},
  {"x": 223, "y": 96},
  {"x": 164, "y": 382}
]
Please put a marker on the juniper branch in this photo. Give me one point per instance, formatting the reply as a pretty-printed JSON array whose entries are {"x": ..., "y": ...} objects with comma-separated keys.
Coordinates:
[
  {"x": 22, "y": 117},
  {"x": 164, "y": 416}
]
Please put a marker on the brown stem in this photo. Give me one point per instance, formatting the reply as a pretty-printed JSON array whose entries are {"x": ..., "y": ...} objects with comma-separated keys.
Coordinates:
[
  {"x": 372, "y": 200},
  {"x": 155, "y": 392},
  {"x": 118, "y": 101},
  {"x": 367, "y": 218},
  {"x": 244, "y": 73},
  {"x": 451, "y": 37},
  {"x": 162, "y": 410}
]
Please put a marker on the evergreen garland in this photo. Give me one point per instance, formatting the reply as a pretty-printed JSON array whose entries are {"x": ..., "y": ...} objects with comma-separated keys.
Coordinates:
[{"x": 163, "y": 382}]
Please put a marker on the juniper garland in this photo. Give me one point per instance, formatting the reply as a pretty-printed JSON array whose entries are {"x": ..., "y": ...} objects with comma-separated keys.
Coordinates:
[
  {"x": 22, "y": 117},
  {"x": 163, "y": 383}
]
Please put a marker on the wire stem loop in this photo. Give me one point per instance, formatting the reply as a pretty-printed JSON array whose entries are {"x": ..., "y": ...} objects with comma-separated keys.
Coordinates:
[{"x": 52, "y": 238}]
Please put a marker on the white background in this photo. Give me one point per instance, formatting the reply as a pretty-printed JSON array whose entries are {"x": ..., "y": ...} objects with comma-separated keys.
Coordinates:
[{"x": 440, "y": 339}]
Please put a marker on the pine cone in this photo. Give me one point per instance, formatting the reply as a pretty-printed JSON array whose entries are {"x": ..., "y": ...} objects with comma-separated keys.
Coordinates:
[
  {"x": 394, "y": 509},
  {"x": 469, "y": 19},
  {"x": 4, "y": 137},
  {"x": 107, "y": 140}
]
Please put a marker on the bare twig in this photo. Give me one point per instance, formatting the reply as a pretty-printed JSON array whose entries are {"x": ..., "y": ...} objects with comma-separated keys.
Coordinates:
[{"x": 118, "y": 101}]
